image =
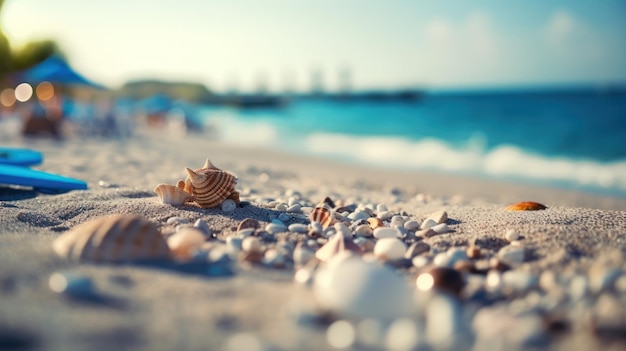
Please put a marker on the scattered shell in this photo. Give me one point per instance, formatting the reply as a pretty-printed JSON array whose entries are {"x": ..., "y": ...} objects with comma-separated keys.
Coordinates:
[
  {"x": 375, "y": 222},
  {"x": 351, "y": 287},
  {"x": 248, "y": 223},
  {"x": 229, "y": 205},
  {"x": 183, "y": 243},
  {"x": 210, "y": 186},
  {"x": 113, "y": 239},
  {"x": 525, "y": 206},
  {"x": 171, "y": 194},
  {"x": 389, "y": 249},
  {"x": 323, "y": 214},
  {"x": 337, "y": 244}
]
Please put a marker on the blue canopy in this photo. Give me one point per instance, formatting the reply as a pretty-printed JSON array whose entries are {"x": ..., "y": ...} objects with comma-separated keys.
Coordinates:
[{"x": 55, "y": 70}]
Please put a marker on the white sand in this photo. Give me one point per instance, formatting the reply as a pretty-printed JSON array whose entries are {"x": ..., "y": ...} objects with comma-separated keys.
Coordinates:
[{"x": 158, "y": 310}]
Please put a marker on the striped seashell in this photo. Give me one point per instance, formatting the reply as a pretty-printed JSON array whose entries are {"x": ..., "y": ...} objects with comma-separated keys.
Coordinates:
[
  {"x": 323, "y": 214},
  {"x": 525, "y": 206},
  {"x": 171, "y": 194},
  {"x": 210, "y": 186},
  {"x": 117, "y": 238}
]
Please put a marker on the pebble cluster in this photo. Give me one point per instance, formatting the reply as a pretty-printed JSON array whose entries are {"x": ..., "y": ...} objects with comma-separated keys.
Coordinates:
[{"x": 372, "y": 271}]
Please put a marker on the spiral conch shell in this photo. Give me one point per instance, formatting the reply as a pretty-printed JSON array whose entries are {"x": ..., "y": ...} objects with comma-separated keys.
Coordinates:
[
  {"x": 117, "y": 238},
  {"x": 210, "y": 186},
  {"x": 171, "y": 194}
]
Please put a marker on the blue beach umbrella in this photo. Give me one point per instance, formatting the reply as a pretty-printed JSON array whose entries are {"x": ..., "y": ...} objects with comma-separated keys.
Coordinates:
[{"x": 55, "y": 70}]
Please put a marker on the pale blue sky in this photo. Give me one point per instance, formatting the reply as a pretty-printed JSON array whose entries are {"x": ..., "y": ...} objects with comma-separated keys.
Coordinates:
[{"x": 436, "y": 44}]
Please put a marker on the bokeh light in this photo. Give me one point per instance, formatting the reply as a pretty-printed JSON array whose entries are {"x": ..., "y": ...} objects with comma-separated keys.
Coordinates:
[
  {"x": 45, "y": 91},
  {"x": 7, "y": 97},
  {"x": 23, "y": 92},
  {"x": 340, "y": 334},
  {"x": 425, "y": 281}
]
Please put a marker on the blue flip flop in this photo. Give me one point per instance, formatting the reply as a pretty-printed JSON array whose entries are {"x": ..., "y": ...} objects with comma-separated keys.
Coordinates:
[{"x": 14, "y": 171}]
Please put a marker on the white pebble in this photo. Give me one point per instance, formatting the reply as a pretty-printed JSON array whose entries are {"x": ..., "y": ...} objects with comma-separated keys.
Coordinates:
[
  {"x": 381, "y": 208},
  {"x": 442, "y": 260},
  {"x": 444, "y": 322},
  {"x": 456, "y": 254},
  {"x": 412, "y": 225},
  {"x": 233, "y": 244},
  {"x": 343, "y": 230},
  {"x": 245, "y": 232},
  {"x": 420, "y": 261},
  {"x": 440, "y": 216},
  {"x": 340, "y": 334},
  {"x": 228, "y": 205},
  {"x": 293, "y": 201},
  {"x": 389, "y": 249},
  {"x": 428, "y": 223},
  {"x": 352, "y": 288},
  {"x": 281, "y": 207},
  {"x": 203, "y": 226},
  {"x": 397, "y": 221},
  {"x": 298, "y": 228},
  {"x": 176, "y": 220},
  {"x": 386, "y": 232},
  {"x": 511, "y": 255},
  {"x": 511, "y": 235},
  {"x": 385, "y": 215},
  {"x": 294, "y": 208},
  {"x": 440, "y": 228},
  {"x": 183, "y": 243},
  {"x": 519, "y": 280},
  {"x": 274, "y": 228},
  {"x": 364, "y": 230},
  {"x": 302, "y": 255},
  {"x": 358, "y": 214},
  {"x": 251, "y": 244},
  {"x": 402, "y": 335}
]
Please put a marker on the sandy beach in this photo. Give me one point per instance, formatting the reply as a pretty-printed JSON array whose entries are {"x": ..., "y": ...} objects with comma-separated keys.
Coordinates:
[{"x": 258, "y": 307}]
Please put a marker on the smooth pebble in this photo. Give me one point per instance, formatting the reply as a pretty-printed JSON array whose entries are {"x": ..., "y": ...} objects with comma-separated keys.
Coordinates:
[
  {"x": 298, "y": 228},
  {"x": 203, "y": 226},
  {"x": 228, "y": 205},
  {"x": 428, "y": 223},
  {"x": 389, "y": 249},
  {"x": 274, "y": 228},
  {"x": 412, "y": 225},
  {"x": 385, "y": 232}
]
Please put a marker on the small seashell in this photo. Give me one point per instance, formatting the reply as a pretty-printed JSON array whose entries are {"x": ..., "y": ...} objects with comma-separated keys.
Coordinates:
[
  {"x": 389, "y": 249},
  {"x": 248, "y": 223},
  {"x": 375, "y": 222},
  {"x": 210, "y": 186},
  {"x": 113, "y": 239},
  {"x": 337, "y": 244},
  {"x": 172, "y": 195},
  {"x": 229, "y": 205},
  {"x": 183, "y": 243},
  {"x": 322, "y": 214},
  {"x": 525, "y": 206}
]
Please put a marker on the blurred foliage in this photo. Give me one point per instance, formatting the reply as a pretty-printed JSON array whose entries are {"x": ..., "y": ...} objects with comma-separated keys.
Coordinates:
[
  {"x": 141, "y": 89},
  {"x": 32, "y": 53}
]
